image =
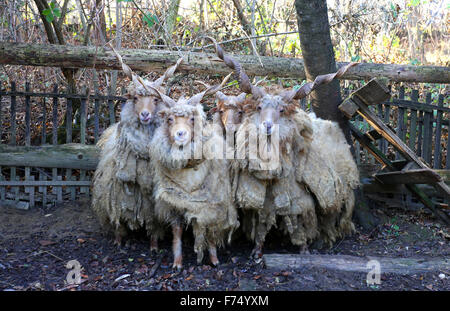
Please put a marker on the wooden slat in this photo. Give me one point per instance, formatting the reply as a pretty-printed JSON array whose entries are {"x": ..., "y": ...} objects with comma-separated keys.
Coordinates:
[
  {"x": 59, "y": 183},
  {"x": 374, "y": 92},
  {"x": 13, "y": 116},
  {"x": 83, "y": 110},
  {"x": 29, "y": 190},
  {"x": 401, "y": 120},
  {"x": 69, "y": 139},
  {"x": 419, "y": 133},
  {"x": 55, "y": 131},
  {"x": 417, "y": 176},
  {"x": 427, "y": 133},
  {"x": 96, "y": 119},
  {"x": 413, "y": 124},
  {"x": 44, "y": 122},
  {"x": 62, "y": 95},
  {"x": 437, "y": 136}
]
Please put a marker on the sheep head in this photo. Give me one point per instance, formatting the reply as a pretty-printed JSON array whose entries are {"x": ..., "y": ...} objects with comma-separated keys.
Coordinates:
[
  {"x": 271, "y": 107},
  {"x": 230, "y": 110},
  {"x": 142, "y": 91},
  {"x": 181, "y": 116},
  {"x": 180, "y": 122}
]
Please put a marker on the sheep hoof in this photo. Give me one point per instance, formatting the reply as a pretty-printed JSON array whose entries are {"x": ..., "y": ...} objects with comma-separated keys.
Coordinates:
[
  {"x": 214, "y": 261},
  {"x": 154, "y": 249},
  {"x": 256, "y": 253},
  {"x": 118, "y": 241},
  {"x": 304, "y": 250},
  {"x": 199, "y": 259},
  {"x": 177, "y": 264}
]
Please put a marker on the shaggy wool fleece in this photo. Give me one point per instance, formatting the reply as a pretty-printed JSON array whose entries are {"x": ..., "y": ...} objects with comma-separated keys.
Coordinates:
[
  {"x": 269, "y": 193},
  {"x": 197, "y": 191},
  {"x": 123, "y": 181}
]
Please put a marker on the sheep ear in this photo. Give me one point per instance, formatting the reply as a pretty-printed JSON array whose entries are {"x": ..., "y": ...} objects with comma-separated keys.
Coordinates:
[
  {"x": 221, "y": 96},
  {"x": 241, "y": 97}
]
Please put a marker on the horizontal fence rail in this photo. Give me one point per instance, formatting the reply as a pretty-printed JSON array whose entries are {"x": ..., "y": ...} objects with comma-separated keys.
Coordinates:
[{"x": 49, "y": 156}]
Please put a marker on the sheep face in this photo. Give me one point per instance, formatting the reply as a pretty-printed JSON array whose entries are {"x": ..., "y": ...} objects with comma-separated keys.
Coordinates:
[
  {"x": 145, "y": 107},
  {"x": 230, "y": 109},
  {"x": 180, "y": 122},
  {"x": 268, "y": 112}
]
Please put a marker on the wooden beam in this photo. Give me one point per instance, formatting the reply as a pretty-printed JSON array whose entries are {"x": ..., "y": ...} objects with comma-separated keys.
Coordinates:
[
  {"x": 67, "y": 56},
  {"x": 70, "y": 156},
  {"x": 356, "y": 264},
  {"x": 419, "y": 176}
]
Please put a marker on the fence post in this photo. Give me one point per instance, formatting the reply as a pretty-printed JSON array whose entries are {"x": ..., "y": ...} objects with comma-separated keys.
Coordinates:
[
  {"x": 413, "y": 127},
  {"x": 401, "y": 119}
]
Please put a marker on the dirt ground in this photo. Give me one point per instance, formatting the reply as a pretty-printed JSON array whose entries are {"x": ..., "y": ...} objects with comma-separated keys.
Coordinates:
[{"x": 35, "y": 246}]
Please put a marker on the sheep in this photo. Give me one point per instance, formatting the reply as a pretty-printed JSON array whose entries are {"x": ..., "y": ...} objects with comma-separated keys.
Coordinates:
[
  {"x": 122, "y": 183},
  {"x": 192, "y": 190},
  {"x": 301, "y": 174}
]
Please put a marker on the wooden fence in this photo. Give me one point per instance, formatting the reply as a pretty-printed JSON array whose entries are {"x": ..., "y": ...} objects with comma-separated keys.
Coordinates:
[
  {"x": 57, "y": 163},
  {"x": 49, "y": 159}
]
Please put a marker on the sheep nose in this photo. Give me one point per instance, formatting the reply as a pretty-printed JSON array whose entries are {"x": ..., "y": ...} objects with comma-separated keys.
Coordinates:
[
  {"x": 268, "y": 124},
  {"x": 181, "y": 133},
  {"x": 144, "y": 114}
]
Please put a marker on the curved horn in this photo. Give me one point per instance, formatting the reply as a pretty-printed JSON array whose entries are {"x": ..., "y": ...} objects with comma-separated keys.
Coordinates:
[
  {"x": 194, "y": 100},
  {"x": 168, "y": 74},
  {"x": 306, "y": 89},
  {"x": 244, "y": 82},
  {"x": 128, "y": 72}
]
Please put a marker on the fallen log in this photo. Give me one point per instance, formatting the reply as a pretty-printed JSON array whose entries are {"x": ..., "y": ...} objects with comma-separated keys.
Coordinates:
[
  {"x": 356, "y": 264},
  {"x": 158, "y": 60}
]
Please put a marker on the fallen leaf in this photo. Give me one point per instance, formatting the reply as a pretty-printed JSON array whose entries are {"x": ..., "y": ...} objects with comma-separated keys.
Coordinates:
[
  {"x": 80, "y": 240},
  {"x": 46, "y": 243},
  {"x": 190, "y": 277}
]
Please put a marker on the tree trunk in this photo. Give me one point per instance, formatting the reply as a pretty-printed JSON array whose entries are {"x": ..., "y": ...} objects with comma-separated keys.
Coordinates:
[
  {"x": 171, "y": 18},
  {"x": 51, "y": 55},
  {"x": 318, "y": 56}
]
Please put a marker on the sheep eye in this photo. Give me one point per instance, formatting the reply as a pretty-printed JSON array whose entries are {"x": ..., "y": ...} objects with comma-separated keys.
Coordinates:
[
  {"x": 281, "y": 110},
  {"x": 240, "y": 112},
  {"x": 155, "y": 100},
  {"x": 259, "y": 108},
  {"x": 192, "y": 119},
  {"x": 135, "y": 98},
  {"x": 170, "y": 119},
  {"x": 220, "y": 111}
]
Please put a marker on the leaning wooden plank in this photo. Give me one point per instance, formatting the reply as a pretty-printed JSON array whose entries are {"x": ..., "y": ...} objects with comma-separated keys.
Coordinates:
[
  {"x": 374, "y": 92},
  {"x": 420, "y": 176},
  {"x": 348, "y": 263},
  {"x": 398, "y": 144},
  {"x": 68, "y": 156},
  {"x": 28, "y": 135},
  {"x": 388, "y": 164}
]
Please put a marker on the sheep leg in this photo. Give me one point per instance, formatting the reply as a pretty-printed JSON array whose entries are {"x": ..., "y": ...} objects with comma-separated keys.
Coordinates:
[
  {"x": 119, "y": 233},
  {"x": 257, "y": 250},
  {"x": 213, "y": 254},
  {"x": 177, "y": 231},
  {"x": 154, "y": 244}
]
